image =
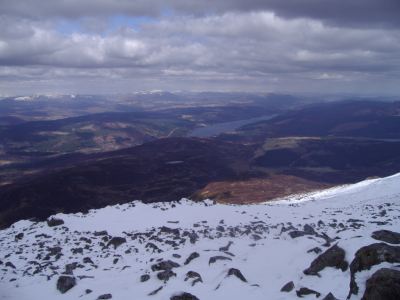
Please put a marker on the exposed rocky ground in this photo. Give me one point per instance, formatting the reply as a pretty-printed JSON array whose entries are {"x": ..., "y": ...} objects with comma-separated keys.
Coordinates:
[{"x": 335, "y": 244}]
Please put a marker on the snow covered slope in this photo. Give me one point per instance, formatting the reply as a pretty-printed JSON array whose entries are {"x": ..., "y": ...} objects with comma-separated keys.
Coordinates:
[{"x": 266, "y": 243}]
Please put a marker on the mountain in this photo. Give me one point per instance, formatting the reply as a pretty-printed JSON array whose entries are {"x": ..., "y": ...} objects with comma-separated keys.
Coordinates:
[{"x": 340, "y": 241}]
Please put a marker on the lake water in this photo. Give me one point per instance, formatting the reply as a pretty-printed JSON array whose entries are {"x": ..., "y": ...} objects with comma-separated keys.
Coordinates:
[{"x": 216, "y": 129}]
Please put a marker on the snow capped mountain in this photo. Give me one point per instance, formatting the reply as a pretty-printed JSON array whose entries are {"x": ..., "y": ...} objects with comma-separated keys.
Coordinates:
[{"x": 307, "y": 245}]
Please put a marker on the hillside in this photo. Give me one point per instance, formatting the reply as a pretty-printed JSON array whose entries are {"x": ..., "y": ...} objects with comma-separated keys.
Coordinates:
[{"x": 212, "y": 251}]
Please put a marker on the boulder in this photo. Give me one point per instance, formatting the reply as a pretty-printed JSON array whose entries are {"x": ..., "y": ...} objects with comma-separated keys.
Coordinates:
[
  {"x": 191, "y": 257},
  {"x": 213, "y": 259},
  {"x": 330, "y": 297},
  {"x": 116, "y": 241},
  {"x": 368, "y": 256},
  {"x": 237, "y": 273},
  {"x": 164, "y": 265},
  {"x": 387, "y": 236},
  {"x": 166, "y": 275},
  {"x": 288, "y": 287},
  {"x": 104, "y": 297},
  {"x": 384, "y": 284},
  {"x": 54, "y": 222},
  {"x": 144, "y": 277},
  {"x": 65, "y": 283},
  {"x": 306, "y": 291},
  {"x": 184, "y": 296},
  {"x": 333, "y": 257}
]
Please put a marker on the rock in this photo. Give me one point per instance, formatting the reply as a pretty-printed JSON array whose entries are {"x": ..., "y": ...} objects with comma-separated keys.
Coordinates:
[
  {"x": 371, "y": 255},
  {"x": 104, "y": 297},
  {"x": 384, "y": 284},
  {"x": 288, "y": 287},
  {"x": 88, "y": 260},
  {"x": 330, "y": 297},
  {"x": 144, "y": 277},
  {"x": 216, "y": 258},
  {"x": 193, "y": 275},
  {"x": 237, "y": 273},
  {"x": 65, "y": 283},
  {"x": 10, "y": 265},
  {"x": 166, "y": 275},
  {"x": 333, "y": 257},
  {"x": 155, "y": 291},
  {"x": 226, "y": 248},
  {"x": 191, "y": 257},
  {"x": 54, "y": 250},
  {"x": 69, "y": 268},
  {"x": 88, "y": 291},
  {"x": 176, "y": 255},
  {"x": 306, "y": 291},
  {"x": 100, "y": 233},
  {"x": 184, "y": 296},
  {"x": 168, "y": 230},
  {"x": 54, "y": 222},
  {"x": 316, "y": 250},
  {"x": 387, "y": 236},
  {"x": 164, "y": 265},
  {"x": 116, "y": 241},
  {"x": 19, "y": 236}
]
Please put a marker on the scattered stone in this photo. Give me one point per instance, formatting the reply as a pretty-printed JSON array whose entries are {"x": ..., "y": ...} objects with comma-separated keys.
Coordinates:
[
  {"x": 191, "y": 257},
  {"x": 10, "y": 265},
  {"x": 144, "y": 277},
  {"x": 288, "y": 287},
  {"x": 164, "y": 265},
  {"x": 330, "y": 297},
  {"x": 88, "y": 291},
  {"x": 155, "y": 291},
  {"x": 333, "y": 257},
  {"x": 387, "y": 236},
  {"x": 193, "y": 275},
  {"x": 216, "y": 258},
  {"x": 371, "y": 255},
  {"x": 168, "y": 230},
  {"x": 65, "y": 283},
  {"x": 316, "y": 250},
  {"x": 116, "y": 241},
  {"x": 384, "y": 284},
  {"x": 104, "y": 297},
  {"x": 176, "y": 255},
  {"x": 226, "y": 248},
  {"x": 237, "y": 273},
  {"x": 54, "y": 222},
  {"x": 306, "y": 291},
  {"x": 184, "y": 296},
  {"x": 88, "y": 260},
  {"x": 19, "y": 236},
  {"x": 166, "y": 275},
  {"x": 100, "y": 233}
]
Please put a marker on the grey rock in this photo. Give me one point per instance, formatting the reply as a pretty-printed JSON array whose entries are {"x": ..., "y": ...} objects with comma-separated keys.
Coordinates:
[
  {"x": 387, "y": 236},
  {"x": 184, "y": 296},
  {"x": 288, "y": 287},
  {"x": 384, "y": 284},
  {"x": 330, "y": 297},
  {"x": 166, "y": 275},
  {"x": 144, "y": 277},
  {"x": 104, "y": 297},
  {"x": 306, "y": 291},
  {"x": 213, "y": 259},
  {"x": 65, "y": 283},
  {"x": 368, "y": 256},
  {"x": 333, "y": 257},
  {"x": 191, "y": 257},
  {"x": 116, "y": 241},
  {"x": 54, "y": 222},
  {"x": 164, "y": 265},
  {"x": 237, "y": 273}
]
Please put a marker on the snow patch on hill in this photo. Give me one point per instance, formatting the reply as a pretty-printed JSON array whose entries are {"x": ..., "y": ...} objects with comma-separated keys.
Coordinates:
[{"x": 269, "y": 243}]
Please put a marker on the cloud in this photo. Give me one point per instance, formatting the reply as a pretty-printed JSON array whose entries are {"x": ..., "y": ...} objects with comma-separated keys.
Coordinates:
[{"x": 241, "y": 45}]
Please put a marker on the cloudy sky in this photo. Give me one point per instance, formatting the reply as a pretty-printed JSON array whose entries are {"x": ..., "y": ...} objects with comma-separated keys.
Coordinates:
[{"x": 111, "y": 46}]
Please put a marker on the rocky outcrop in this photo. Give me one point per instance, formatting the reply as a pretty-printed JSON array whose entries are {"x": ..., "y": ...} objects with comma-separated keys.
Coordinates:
[
  {"x": 384, "y": 284},
  {"x": 371, "y": 255},
  {"x": 191, "y": 257},
  {"x": 333, "y": 257}
]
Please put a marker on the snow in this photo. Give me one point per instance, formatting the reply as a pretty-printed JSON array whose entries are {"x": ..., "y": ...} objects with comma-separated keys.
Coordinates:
[{"x": 267, "y": 263}]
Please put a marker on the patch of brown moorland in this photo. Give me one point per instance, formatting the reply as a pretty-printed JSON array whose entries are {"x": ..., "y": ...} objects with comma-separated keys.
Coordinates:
[{"x": 257, "y": 189}]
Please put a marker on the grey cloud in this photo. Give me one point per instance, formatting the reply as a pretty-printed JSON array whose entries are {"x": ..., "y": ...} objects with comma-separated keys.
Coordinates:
[{"x": 339, "y": 12}]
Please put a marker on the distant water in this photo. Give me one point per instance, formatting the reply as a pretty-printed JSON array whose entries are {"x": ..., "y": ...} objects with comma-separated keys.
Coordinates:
[{"x": 216, "y": 129}]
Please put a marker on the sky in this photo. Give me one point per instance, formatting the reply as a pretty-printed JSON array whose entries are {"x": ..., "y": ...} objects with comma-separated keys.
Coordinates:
[{"x": 122, "y": 46}]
